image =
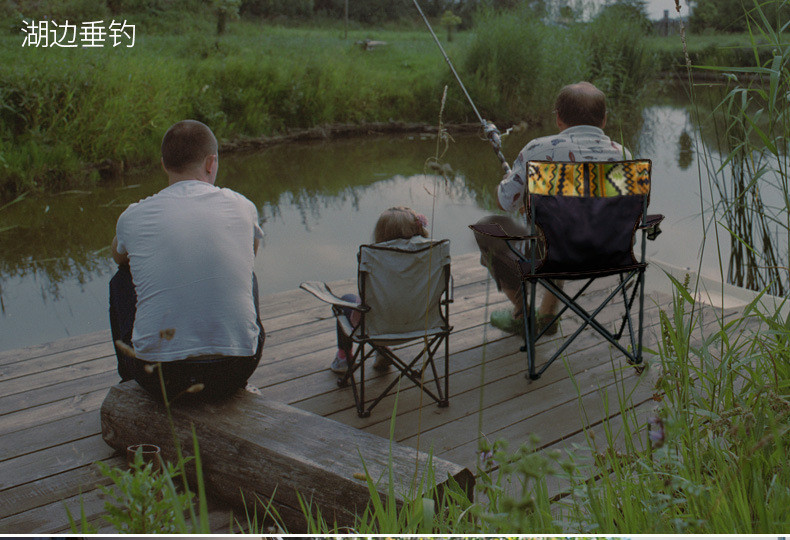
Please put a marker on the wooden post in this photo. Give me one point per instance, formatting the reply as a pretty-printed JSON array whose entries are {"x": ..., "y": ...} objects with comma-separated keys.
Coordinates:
[
  {"x": 346, "y": 17},
  {"x": 250, "y": 446}
]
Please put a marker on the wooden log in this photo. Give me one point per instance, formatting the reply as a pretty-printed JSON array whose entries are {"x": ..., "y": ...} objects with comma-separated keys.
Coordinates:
[{"x": 253, "y": 446}]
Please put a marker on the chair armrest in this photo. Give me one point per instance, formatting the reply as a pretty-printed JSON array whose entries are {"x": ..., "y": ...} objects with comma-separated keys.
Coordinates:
[
  {"x": 651, "y": 225},
  {"x": 451, "y": 291},
  {"x": 495, "y": 231},
  {"x": 322, "y": 291}
]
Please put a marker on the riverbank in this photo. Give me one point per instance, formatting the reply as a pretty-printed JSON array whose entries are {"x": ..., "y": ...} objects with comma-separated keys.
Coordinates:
[{"x": 72, "y": 117}]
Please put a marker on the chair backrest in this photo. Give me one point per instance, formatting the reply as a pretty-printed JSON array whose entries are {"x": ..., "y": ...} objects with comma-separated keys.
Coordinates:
[
  {"x": 588, "y": 212},
  {"x": 403, "y": 282}
]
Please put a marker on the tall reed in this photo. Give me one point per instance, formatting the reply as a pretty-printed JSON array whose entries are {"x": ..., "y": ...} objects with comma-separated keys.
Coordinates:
[{"x": 752, "y": 179}]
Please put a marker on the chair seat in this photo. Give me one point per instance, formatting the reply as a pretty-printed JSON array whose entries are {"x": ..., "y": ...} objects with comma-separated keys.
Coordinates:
[
  {"x": 395, "y": 339},
  {"x": 528, "y": 271}
]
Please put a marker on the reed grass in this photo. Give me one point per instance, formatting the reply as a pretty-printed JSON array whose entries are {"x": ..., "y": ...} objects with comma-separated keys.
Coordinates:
[
  {"x": 71, "y": 116},
  {"x": 749, "y": 179}
]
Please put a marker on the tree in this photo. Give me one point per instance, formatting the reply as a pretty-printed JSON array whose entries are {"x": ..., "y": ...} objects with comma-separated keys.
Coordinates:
[
  {"x": 733, "y": 15},
  {"x": 450, "y": 20},
  {"x": 630, "y": 12},
  {"x": 225, "y": 9}
]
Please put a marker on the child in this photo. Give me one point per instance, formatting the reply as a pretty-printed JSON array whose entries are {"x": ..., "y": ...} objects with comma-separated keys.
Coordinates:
[{"x": 396, "y": 222}]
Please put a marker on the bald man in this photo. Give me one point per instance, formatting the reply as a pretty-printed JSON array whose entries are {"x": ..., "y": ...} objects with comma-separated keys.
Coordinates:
[
  {"x": 184, "y": 302},
  {"x": 580, "y": 114}
]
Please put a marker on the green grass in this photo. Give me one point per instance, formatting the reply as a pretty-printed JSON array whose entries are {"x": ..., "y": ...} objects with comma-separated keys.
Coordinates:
[
  {"x": 710, "y": 50},
  {"x": 63, "y": 109},
  {"x": 66, "y": 110}
]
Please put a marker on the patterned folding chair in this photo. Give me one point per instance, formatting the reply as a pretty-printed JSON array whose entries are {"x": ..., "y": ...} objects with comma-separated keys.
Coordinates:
[
  {"x": 405, "y": 290},
  {"x": 583, "y": 218}
]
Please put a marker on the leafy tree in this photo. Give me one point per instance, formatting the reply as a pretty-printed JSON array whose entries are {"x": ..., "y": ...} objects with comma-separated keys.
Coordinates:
[
  {"x": 632, "y": 13},
  {"x": 450, "y": 20},
  {"x": 274, "y": 8},
  {"x": 732, "y": 15},
  {"x": 225, "y": 9}
]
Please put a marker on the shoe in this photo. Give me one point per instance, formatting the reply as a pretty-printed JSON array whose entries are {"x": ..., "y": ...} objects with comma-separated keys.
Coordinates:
[
  {"x": 339, "y": 365},
  {"x": 252, "y": 389},
  {"x": 543, "y": 322},
  {"x": 505, "y": 321},
  {"x": 382, "y": 363}
]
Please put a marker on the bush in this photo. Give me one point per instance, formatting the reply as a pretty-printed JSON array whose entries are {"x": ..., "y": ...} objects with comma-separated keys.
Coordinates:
[
  {"x": 618, "y": 59},
  {"x": 516, "y": 64}
]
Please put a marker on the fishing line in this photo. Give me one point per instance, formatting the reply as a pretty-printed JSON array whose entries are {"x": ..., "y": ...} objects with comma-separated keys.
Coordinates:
[{"x": 490, "y": 130}]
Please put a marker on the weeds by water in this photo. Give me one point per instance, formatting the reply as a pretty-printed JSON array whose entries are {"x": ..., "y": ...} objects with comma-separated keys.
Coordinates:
[{"x": 71, "y": 116}]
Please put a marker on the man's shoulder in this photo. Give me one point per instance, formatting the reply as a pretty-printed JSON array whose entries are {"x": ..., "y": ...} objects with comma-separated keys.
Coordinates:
[
  {"x": 544, "y": 147},
  {"x": 140, "y": 205},
  {"x": 234, "y": 195}
]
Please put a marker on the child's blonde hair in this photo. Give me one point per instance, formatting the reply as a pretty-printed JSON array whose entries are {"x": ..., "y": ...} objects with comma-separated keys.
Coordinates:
[{"x": 399, "y": 222}]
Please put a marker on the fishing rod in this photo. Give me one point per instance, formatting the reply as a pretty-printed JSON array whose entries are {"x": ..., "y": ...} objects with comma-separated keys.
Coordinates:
[{"x": 490, "y": 130}]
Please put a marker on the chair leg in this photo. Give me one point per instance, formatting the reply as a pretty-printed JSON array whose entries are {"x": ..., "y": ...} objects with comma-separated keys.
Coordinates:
[
  {"x": 446, "y": 401},
  {"x": 359, "y": 394},
  {"x": 639, "y": 366},
  {"x": 530, "y": 324}
]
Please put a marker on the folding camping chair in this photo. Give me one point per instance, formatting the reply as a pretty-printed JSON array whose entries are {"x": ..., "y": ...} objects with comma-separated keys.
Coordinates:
[
  {"x": 405, "y": 289},
  {"x": 582, "y": 222}
]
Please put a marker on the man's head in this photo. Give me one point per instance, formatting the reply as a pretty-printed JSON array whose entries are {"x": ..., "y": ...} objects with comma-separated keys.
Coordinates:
[
  {"x": 581, "y": 104},
  {"x": 189, "y": 151}
]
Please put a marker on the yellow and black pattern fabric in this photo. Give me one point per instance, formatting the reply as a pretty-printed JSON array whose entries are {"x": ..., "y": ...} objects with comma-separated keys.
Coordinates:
[{"x": 589, "y": 179}]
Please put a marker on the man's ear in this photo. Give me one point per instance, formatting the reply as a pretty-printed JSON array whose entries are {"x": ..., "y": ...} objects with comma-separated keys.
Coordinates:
[
  {"x": 210, "y": 162},
  {"x": 603, "y": 124}
]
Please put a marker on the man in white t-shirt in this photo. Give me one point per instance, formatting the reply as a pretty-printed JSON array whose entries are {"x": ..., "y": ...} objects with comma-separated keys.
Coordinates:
[
  {"x": 580, "y": 111},
  {"x": 185, "y": 299}
]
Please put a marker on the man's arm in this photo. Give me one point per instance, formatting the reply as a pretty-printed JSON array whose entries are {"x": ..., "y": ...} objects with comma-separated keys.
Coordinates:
[
  {"x": 120, "y": 258},
  {"x": 510, "y": 191}
]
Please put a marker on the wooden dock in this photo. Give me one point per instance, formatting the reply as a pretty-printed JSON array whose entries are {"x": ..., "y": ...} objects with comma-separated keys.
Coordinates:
[{"x": 50, "y": 397}]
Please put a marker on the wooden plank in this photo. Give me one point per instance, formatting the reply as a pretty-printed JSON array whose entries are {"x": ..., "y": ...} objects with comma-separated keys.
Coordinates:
[
  {"x": 42, "y": 414},
  {"x": 52, "y": 517},
  {"x": 31, "y": 467},
  {"x": 464, "y": 343},
  {"x": 550, "y": 425},
  {"x": 54, "y": 347},
  {"x": 556, "y": 424},
  {"x": 42, "y": 436},
  {"x": 38, "y": 390},
  {"x": 505, "y": 383},
  {"x": 250, "y": 445},
  {"x": 39, "y": 493},
  {"x": 65, "y": 359},
  {"x": 219, "y": 515}
]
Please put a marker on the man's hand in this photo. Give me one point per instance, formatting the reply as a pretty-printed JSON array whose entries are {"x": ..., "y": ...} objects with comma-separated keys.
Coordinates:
[{"x": 120, "y": 258}]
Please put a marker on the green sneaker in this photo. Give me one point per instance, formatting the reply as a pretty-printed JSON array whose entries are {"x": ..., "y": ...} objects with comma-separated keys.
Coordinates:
[{"x": 505, "y": 321}]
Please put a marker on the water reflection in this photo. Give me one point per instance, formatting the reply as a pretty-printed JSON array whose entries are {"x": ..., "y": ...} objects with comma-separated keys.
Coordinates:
[{"x": 318, "y": 202}]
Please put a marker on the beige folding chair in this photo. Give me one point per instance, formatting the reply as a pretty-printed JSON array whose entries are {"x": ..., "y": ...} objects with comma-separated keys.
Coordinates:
[{"x": 405, "y": 290}]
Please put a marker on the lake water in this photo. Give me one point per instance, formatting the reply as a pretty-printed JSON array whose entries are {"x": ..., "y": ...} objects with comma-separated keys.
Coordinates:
[{"x": 318, "y": 202}]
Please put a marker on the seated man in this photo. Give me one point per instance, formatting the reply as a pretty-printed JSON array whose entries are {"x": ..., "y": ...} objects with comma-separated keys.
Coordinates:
[
  {"x": 580, "y": 111},
  {"x": 185, "y": 298}
]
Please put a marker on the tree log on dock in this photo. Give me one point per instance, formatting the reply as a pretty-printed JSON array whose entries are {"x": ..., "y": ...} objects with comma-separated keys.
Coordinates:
[{"x": 253, "y": 447}]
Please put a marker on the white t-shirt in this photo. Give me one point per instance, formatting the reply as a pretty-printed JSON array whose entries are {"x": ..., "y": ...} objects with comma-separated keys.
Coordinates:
[
  {"x": 576, "y": 143},
  {"x": 191, "y": 256}
]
